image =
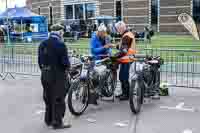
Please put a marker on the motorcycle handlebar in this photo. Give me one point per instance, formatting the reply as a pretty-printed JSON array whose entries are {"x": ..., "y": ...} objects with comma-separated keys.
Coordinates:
[
  {"x": 138, "y": 56},
  {"x": 101, "y": 61}
]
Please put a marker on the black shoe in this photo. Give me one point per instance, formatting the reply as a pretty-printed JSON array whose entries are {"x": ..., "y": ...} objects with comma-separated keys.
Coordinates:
[
  {"x": 94, "y": 102},
  {"x": 123, "y": 97},
  {"x": 93, "y": 99},
  {"x": 118, "y": 96},
  {"x": 48, "y": 123},
  {"x": 62, "y": 126},
  {"x": 47, "y": 117},
  {"x": 156, "y": 96}
]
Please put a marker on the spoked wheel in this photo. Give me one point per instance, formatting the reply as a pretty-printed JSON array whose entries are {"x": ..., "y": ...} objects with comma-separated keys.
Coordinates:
[
  {"x": 78, "y": 98},
  {"x": 68, "y": 82},
  {"x": 111, "y": 84},
  {"x": 136, "y": 96}
]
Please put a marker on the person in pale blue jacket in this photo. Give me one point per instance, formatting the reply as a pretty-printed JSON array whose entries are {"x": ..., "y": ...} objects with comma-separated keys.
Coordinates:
[
  {"x": 100, "y": 43},
  {"x": 100, "y": 47}
]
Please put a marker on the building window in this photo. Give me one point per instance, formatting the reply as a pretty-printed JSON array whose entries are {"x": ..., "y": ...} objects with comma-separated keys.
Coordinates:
[
  {"x": 196, "y": 11},
  {"x": 90, "y": 10},
  {"x": 39, "y": 10},
  {"x": 118, "y": 10},
  {"x": 51, "y": 14},
  {"x": 79, "y": 11},
  {"x": 154, "y": 12},
  {"x": 69, "y": 11}
]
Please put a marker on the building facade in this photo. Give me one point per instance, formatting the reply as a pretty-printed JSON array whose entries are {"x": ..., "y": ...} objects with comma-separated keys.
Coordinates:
[
  {"x": 162, "y": 15},
  {"x": 49, "y": 8}
]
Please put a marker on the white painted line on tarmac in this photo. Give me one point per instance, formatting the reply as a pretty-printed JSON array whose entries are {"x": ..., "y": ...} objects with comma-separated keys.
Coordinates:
[
  {"x": 40, "y": 112},
  {"x": 179, "y": 109},
  {"x": 180, "y": 105},
  {"x": 90, "y": 120},
  {"x": 121, "y": 124},
  {"x": 187, "y": 131}
]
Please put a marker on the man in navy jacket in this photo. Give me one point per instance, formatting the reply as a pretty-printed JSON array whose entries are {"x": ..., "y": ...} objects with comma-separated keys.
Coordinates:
[{"x": 54, "y": 62}]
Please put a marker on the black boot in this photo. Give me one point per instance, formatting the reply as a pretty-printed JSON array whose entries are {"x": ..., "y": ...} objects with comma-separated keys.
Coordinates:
[
  {"x": 124, "y": 97},
  {"x": 58, "y": 124},
  {"x": 47, "y": 117},
  {"x": 93, "y": 98},
  {"x": 61, "y": 126},
  {"x": 125, "y": 90}
]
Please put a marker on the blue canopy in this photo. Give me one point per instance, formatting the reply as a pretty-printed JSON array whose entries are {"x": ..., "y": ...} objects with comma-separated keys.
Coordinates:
[
  {"x": 25, "y": 16},
  {"x": 21, "y": 14},
  {"x": 18, "y": 12}
]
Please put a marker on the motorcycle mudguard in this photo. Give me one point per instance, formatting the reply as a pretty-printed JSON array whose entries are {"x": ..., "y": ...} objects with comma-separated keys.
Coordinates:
[{"x": 141, "y": 84}]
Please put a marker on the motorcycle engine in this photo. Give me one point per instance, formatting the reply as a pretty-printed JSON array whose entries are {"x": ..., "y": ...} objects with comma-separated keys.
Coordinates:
[
  {"x": 147, "y": 73},
  {"x": 99, "y": 74}
]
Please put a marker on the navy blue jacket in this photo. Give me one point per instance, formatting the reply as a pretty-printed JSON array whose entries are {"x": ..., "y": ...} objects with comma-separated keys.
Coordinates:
[{"x": 53, "y": 52}]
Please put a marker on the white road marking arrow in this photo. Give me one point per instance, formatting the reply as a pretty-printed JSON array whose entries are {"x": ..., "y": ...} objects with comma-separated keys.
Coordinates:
[
  {"x": 91, "y": 120},
  {"x": 187, "y": 131},
  {"x": 179, "y": 107},
  {"x": 122, "y": 124}
]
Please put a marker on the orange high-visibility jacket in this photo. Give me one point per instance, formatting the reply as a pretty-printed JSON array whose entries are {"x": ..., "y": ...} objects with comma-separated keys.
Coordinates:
[{"x": 131, "y": 51}]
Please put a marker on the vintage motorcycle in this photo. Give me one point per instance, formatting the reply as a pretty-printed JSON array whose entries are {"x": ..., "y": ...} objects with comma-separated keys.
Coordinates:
[
  {"x": 97, "y": 77},
  {"x": 144, "y": 81}
]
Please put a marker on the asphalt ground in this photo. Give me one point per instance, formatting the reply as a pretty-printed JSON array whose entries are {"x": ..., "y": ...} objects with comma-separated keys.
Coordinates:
[{"x": 22, "y": 111}]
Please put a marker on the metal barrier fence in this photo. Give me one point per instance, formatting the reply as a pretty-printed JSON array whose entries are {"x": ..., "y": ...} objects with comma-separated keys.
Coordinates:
[{"x": 181, "y": 67}]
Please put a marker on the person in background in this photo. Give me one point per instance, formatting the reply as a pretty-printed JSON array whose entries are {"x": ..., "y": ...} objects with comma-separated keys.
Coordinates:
[
  {"x": 54, "y": 62},
  {"x": 94, "y": 27},
  {"x": 1, "y": 35}
]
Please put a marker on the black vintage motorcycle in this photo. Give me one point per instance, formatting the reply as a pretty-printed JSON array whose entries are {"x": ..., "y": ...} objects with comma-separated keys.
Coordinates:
[
  {"x": 97, "y": 77},
  {"x": 74, "y": 71},
  {"x": 145, "y": 81}
]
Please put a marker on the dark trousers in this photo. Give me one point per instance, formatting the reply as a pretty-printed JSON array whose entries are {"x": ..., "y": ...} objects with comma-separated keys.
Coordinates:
[
  {"x": 54, "y": 93},
  {"x": 125, "y": 87},
  {"x": 124, "y": 78}
]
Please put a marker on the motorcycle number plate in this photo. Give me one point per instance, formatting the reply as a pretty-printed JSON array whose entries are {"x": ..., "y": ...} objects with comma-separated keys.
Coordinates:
[{"x": 84, "y": 73}]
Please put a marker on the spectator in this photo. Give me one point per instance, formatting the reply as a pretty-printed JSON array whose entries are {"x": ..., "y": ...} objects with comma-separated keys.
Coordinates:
[
  {"x": 53, "y": 61},
  {"x": 1, "y": 35}
]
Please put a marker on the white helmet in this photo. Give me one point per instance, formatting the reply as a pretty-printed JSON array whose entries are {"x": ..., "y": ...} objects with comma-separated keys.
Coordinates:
[{"x": 102, "y": 27}]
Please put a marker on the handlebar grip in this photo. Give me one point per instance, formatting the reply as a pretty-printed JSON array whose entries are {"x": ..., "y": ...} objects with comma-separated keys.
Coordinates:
[
  {"x": 100, "y": 61},
  {"x": 140, "y": 56}
]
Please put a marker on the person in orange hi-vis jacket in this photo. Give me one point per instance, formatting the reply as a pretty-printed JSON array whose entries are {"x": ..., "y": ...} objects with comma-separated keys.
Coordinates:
[{"x": 127, "y": 47}]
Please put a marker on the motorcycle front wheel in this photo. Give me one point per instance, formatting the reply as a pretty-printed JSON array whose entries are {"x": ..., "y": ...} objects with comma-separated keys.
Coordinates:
[
  {"x": 136, "y": 95},
  {"x": 78, "y": 97}
]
